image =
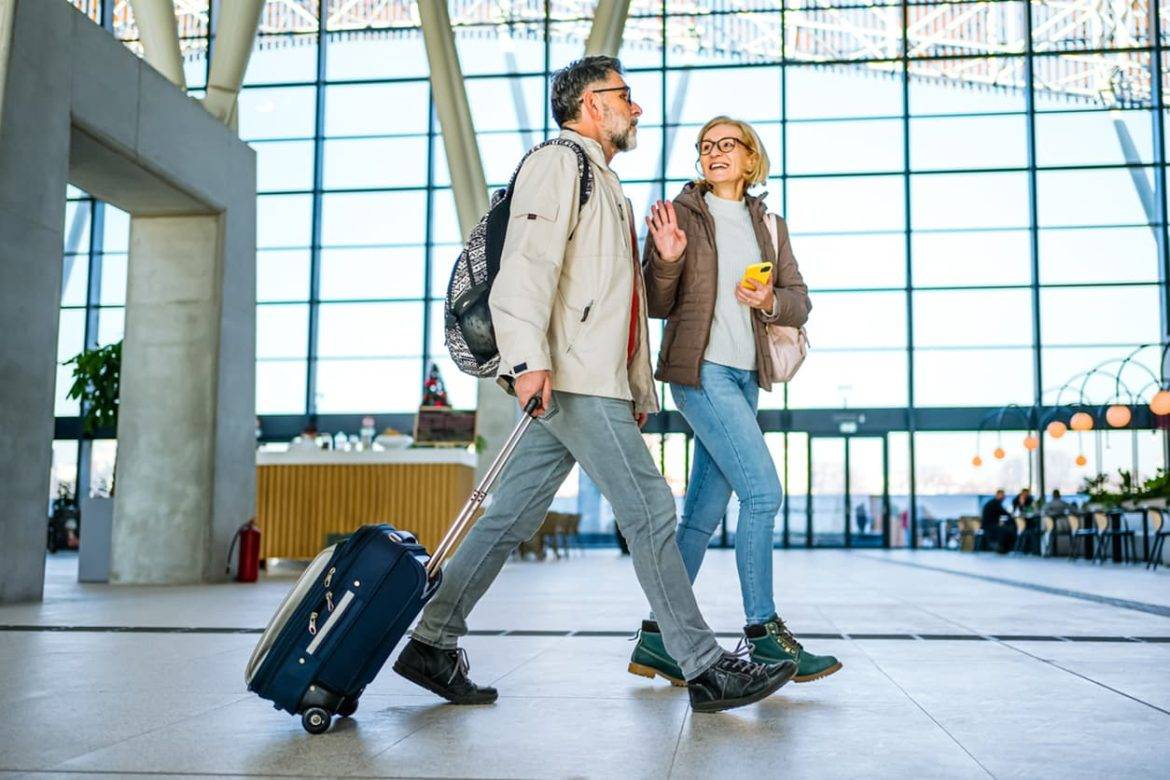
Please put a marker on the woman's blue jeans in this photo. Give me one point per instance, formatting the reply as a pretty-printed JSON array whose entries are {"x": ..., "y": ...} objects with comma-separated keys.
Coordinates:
[{"x": 730, "y": 455}]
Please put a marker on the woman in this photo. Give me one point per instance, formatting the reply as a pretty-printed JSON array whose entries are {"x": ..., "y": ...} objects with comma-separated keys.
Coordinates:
[{"x": 715, "y": 357}]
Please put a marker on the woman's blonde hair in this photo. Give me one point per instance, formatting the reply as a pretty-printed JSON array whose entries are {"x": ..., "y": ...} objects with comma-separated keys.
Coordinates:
[{"x": 757, "y": 171}]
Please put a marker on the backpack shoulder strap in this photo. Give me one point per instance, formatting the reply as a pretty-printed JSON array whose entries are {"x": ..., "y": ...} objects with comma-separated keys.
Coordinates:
[{"x": 584, "y": 169}]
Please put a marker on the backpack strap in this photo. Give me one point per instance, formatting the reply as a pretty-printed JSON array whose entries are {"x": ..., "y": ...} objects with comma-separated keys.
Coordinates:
[{"x": 584, "y": 169}]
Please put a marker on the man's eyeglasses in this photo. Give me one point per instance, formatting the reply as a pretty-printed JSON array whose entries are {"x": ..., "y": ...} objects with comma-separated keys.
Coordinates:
[
  {"x": 625, "y": 95},
  {"x": 725, "y": 145}
]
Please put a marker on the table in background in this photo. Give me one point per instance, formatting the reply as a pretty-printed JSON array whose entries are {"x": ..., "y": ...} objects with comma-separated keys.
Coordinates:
[{"x": 305, "y": 496}]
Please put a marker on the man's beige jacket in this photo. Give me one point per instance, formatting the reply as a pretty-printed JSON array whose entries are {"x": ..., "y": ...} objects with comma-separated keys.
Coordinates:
[{"x": 561, "y": 300}]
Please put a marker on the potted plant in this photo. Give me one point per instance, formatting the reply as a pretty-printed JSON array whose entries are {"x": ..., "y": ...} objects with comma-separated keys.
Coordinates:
[
  {"x": 97, "y": 385},
  {"x": 1100, "y": 496},
  {"x": 1156, "y": 490}
]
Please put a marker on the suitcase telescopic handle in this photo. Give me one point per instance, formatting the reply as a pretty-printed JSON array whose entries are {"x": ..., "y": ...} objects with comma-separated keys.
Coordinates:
[{"x": 480, "y": 493}]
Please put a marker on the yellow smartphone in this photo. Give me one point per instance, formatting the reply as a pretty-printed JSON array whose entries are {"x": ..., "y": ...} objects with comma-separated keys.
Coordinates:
[{"x": 760, "y": 273}]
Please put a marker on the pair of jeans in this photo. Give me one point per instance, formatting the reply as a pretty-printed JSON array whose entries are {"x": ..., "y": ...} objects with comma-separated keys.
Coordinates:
[
  {"x": 602, "y": 435},
  {"x": 730, "y": 455}
]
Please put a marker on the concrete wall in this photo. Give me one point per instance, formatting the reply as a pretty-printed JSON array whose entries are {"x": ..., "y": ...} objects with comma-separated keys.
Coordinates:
[{"x": 79, "y": 107}]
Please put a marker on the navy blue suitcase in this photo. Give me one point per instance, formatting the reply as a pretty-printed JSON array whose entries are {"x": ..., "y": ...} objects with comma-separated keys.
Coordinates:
[{"x": 335, "y": 629}]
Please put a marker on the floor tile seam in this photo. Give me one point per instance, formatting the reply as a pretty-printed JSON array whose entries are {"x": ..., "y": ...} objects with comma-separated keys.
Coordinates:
[
  {"x": 429, "y": 719},
  {"x": 529, "y": 659},
  {"x": 682, "y": 727},
  {"x": 158, "y": 727},
  {"x": 927, "y": 713},
  {"x": 1137, "y": 606},
  {"x": 1053, "y": 664},
  {"x": 1087, "y": 678},
  {"x": 145, "y": 773}
]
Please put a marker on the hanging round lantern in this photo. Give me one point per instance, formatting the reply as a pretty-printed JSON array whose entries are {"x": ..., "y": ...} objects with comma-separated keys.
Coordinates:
[
  {"x": 977, "y": 461},
  {"x": 1031, "y": 442},
  {"x": 1056, "y": 429},
  {"x": 1160, "y": 403},
  {"x": 1118, "y": 415},
  {"x": 1081, "y": 460},
  {"x": 1081, "y": 421},
  {"x": 999, "y": 453}
]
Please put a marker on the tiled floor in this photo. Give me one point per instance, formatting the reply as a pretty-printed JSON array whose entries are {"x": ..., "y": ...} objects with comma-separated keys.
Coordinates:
[{"x": 950, "y": 690}]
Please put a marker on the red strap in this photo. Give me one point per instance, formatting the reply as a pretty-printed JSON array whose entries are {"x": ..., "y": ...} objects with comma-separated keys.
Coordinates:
[{"x": 632, "y": 341}]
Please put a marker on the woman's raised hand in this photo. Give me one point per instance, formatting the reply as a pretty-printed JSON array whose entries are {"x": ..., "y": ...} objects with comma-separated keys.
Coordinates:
[{"x": 669, "y": 239}]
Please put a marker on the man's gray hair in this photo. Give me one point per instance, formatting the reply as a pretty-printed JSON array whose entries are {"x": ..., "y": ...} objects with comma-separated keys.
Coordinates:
[{"x": 569, "y": 84}]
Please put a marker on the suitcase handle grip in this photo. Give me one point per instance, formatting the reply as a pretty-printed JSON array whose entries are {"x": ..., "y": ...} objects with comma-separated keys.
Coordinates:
[{"x": 480, "y": 493}]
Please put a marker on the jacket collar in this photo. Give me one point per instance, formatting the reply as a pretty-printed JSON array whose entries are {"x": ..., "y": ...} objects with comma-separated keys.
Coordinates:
[
  {"x": 692, "y": 195},
  {"x": 592, "y": 148}
]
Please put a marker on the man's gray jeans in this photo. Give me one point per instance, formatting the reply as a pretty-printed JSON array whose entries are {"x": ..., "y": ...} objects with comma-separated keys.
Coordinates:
[{"x": 601, "y": 435}]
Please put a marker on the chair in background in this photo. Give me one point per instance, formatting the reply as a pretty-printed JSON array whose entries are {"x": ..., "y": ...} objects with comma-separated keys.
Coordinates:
[
  {"x": 1158, "y": 526},
  {"x": 970, "y": 534},
  {"x": 1050, "y": 530},
  {"x": 569, "y": 531},
  {"x": 1079, "y": 532},
  {"x": 545, "y": 536},
  {"x": 1106, "y": 534},
  {"x": 1021, "y": 543}
]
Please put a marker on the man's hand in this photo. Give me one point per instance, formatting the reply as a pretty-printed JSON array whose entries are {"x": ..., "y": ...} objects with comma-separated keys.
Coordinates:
[
  {"x": 669, "y": 239},
  {"x": 534, "y": 383},
  {"x": 641, "y": 418},
  {"x": 758, "y": 296}
]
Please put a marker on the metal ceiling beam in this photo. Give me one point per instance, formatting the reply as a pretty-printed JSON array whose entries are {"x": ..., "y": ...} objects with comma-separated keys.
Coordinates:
[
  {"x": 159, "y": 33},
  {"x": 609, "y": 21},
  {"x": 235, "y": 32}
]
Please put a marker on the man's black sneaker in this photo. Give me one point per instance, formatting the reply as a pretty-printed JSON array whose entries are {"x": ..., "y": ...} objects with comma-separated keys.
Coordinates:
[
  {"x": 735, "y": 682},
  {"x": 442, "y": 672}
]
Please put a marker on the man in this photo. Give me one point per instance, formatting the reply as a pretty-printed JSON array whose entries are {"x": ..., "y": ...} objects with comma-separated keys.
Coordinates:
[
  {"x": 1057, "y": 506},
  {"x": 993, "y": 511},
  {"x": 1022, "y": 503},
  {"x": 570, "y": 319}
]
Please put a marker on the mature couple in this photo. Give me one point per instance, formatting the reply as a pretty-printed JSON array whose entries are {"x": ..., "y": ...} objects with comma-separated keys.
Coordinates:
[{"x": 569, "y": 307}]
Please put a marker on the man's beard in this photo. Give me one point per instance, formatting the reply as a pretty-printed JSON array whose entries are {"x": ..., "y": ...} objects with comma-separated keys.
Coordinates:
[{"x": 623, "y": 140}]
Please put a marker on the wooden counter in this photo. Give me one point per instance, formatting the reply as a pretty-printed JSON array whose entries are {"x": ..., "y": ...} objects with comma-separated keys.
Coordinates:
[{"x": 304, "y": 496}]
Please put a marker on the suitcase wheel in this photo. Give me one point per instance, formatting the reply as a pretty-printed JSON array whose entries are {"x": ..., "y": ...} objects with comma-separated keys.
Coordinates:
[
  {"x": 316, "y": 720},
  {"x": 348, "y": 707}
]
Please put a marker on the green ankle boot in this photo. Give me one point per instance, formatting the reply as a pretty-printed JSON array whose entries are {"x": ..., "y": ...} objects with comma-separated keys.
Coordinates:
[
  {"x": 772, "y": 643},
  {"x": 650, "y": 658}
]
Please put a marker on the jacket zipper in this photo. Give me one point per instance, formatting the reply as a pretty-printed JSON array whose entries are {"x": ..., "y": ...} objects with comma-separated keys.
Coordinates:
[{"x": 330, "y": 623}]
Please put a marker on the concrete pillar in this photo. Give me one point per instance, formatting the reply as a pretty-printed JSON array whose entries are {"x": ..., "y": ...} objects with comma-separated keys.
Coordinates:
[
  {"x": 235, "y": 31},
  {"x": 163, "y": 504},
  {"x": 609, "y": 22},
  {"x": 159, "y": 33},
  {"x": 79, "y": 107},
  {"x": 495, "y": 411},
  {"x": 34, "y": 158}
]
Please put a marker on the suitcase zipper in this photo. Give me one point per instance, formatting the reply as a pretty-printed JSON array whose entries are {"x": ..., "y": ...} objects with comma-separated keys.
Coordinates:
[{"x": 330, "y": 623}]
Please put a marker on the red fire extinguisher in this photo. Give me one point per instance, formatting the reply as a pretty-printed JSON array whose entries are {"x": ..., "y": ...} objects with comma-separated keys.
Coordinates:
[{"x": 248, "y": 565}]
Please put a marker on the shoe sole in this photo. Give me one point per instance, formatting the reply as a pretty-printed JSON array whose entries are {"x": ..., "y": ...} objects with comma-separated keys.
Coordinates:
[
  {"x": 819, "y": 675},
  {"x": 746, "y": 700},
  {"x": 423, "y": 682},
  {"x": 649, "y": 671}
]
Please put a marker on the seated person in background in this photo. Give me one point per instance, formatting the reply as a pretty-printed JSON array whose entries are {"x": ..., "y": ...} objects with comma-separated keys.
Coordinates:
[
  {"x": 1022, "y": 502},
  {"x": 990, "y": 517},
  {"x": 1057, "y": 506}
]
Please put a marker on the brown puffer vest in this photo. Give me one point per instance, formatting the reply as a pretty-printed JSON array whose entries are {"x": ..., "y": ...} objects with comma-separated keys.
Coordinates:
[{"x": 683, "y": 292}]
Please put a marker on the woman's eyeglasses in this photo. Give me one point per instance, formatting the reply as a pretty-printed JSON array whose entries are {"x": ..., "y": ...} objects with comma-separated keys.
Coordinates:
[{"x": 725, "y": 145}]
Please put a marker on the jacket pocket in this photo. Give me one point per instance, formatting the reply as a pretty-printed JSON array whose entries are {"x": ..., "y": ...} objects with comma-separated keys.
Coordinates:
[{"x": 577, "y": 327}]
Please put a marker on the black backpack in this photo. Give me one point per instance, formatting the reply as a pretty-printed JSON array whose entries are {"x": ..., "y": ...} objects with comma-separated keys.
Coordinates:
[{"x": 469, "y": 335}]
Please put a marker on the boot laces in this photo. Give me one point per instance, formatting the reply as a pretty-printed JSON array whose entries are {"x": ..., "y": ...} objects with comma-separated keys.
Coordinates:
[
  {"x": 784, "y": 636},
  {"x": 738, "y": 660},
  {"x": 462, "y": 665}
]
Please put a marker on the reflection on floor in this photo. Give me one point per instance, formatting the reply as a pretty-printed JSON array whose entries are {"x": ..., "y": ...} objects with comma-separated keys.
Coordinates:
[{"x": 955, "y": 666}]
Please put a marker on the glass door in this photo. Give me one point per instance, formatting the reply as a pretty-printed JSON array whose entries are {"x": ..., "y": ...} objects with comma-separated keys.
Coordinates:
[{"x": 848, "y": 501}]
